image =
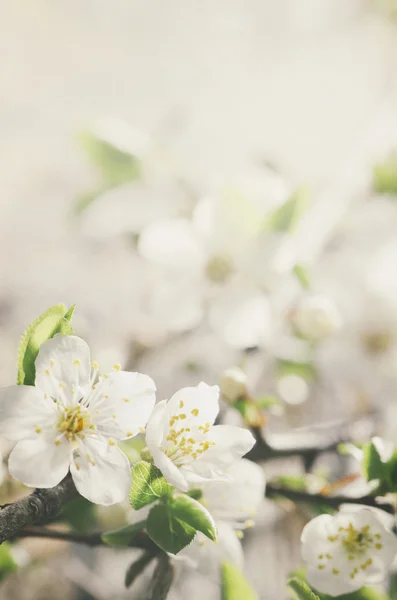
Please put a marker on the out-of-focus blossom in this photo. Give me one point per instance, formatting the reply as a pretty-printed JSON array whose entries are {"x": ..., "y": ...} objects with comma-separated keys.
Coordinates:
[
  {"x": 68, "y": 421},
  {"x": 184, "y": 443},
  {"x": 224, "y": 258},
  {"x": 292, "y": 389},
  {"x": 316, "y": 317},
  {"x": 233, "y": 384},
  {"x": 345, "y": 551}
]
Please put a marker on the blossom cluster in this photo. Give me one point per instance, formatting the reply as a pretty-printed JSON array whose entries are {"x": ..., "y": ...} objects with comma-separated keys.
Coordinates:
[{"x": 74, "y": 416}]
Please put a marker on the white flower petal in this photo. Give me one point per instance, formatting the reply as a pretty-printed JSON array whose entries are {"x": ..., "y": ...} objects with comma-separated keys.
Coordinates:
[
  {"x": 41, "y": 462},
  {"x": 122, "y": 403},
  {"x": 101, "y": 472},
  {"x": 23, "y": 409},
  {"x": 192, "y": 407},
  {"x": 239, "y": 499},
  {"x": 335, "y": 586},
  {"x": 241, "y": 316},
  {"x": 155, "y": 426},
  {"x": 62, "y": 367},
  {"x": 173, "y": 475},
  {"x": 172, "y": 243}
]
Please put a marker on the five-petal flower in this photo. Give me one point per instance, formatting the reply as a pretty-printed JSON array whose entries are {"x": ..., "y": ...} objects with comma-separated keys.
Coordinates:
[
  {"x": 70, "y": 420},
  {"x": 184, "y": 443},
  {"x": 345, "y": 551}
]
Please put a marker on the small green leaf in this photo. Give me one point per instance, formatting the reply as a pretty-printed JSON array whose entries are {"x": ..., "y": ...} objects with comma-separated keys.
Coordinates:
[
  {"x": 116, "y": 164},
  {"x": 170, "y": 534},
  {"x": 287, "y": 216},
  {"x": 302, "y": 275},
  {"x": 234, "y": 585},
  {"x": 148, "y": 485},
  {"x": 385, "y": 175},
  {"x": 372, "y": 464},
  {"x": 136, "y": 568},
  {"x": 56, "y": 319},
  {"x": 289, "y": 367},
  {"x": 301, "y": 589},
  {"x": 196, "y": 493},
  {"x": 162, "y": 580},
  {"x": 7, "y": 562},
  {"x": 187, "y": 510},
  {"x": 121, "y": 538}
]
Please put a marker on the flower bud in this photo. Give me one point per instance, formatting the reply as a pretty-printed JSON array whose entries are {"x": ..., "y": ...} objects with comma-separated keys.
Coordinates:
[
  {"x": 233, "y": 384},
  {"x": 316, "y": 317}
]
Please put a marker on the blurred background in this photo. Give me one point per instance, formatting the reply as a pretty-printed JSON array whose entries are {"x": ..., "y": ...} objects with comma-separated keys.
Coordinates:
[{"x": 214, "y": 184}]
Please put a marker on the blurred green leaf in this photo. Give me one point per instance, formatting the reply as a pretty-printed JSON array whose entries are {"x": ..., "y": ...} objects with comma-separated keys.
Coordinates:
[
  {"x": 289, "y": 367},
  {"x": 372, "y": 464},
  {"x": 286, "y": 217},
  {"x": 116, "y": 165},
  {"x": 80, "y": 513},
  {"x": 121, "y": 538},
  {"x": 301, "y": 589},
  {"x": 148, "y": 485},
  {"x": 136, "y": 568},
  {"x": 56, "y": 319},
  {"x": 302, "y": 275},
  {"x": 292, "y": 482},
  {"x": 7, "y": 562},
  {"x": 385, "y": 175},
  {"x": 162, "y": 580},
  {"x": 234, "y": 584},
  {"x": 196, "y": 493}
]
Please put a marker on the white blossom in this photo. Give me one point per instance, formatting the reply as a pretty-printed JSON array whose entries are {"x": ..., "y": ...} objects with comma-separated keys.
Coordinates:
[
  {"x": 233, "y": 384},
  {"x": 184, "y": 442},
  {"x": 316, "y": 317},
  {"x": 68, "y": 421},
  {"x": 345, "y": 551},
  {"x": 220, "y": 258}
]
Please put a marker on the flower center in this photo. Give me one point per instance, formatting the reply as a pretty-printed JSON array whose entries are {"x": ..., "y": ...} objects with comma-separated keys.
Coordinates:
[
  {"x": 183, "y": 443},
  {"x": 73, "y": 421},
  {"x": 219, "y": 268}
]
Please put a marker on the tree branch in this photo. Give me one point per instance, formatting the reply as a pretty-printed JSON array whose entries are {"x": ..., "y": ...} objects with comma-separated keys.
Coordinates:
[{"x": 39, "y": 507}]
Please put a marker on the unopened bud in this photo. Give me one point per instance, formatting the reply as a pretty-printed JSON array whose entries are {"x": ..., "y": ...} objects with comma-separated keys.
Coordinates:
[
  {"x": 233, "y": 384},
  {"x": 316, "y": 317}
]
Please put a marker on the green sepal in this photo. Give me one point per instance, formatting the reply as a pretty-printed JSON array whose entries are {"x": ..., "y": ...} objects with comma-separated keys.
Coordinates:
[
  {"x": 301, "y": 589},
  {"x": 56, "y": 319}
]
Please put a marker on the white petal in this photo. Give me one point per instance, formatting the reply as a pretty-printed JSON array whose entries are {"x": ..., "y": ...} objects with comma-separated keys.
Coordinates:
[
  {"x": 40, "y": 463},
  {"x": 63, "y": 366},
  {"x": 171, "y": 472},
  {"x": 241, "y": 316},
  {"x": 101, "y": 472},
  {"x": 238, "y": 499},
  {"x": 122, "y": 404},
  {"x": 334, "y": 585},
  {"x": 156, "y": 426},
  {"x": 192, "y": 407},
  {"x": 231, "y": 443},
  {"x": 22, "y": 409},
  {"x": 172, "y": 243}
]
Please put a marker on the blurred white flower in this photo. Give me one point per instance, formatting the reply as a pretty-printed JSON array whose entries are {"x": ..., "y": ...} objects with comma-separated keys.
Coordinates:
[
  {"x": 184, "y": 443},
  {"x": 223, "y": 258},
  {"x": 68, "y": 421},
  {"x": 316, "y": 317},
  {"x": 293, "y": 389},
  {"x": 232, "y": 504},
  {"x": 233, "y": 384},
  {"x": 345, "y": 551}
]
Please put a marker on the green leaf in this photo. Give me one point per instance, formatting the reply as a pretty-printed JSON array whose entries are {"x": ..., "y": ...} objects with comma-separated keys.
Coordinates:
[
  {"x": 287, "y": 216},
  {"x": 56, "y": 319},
  {"x": 301, "y": 589},
  {"x": 302, "y": 275},
  {"x": 188, "y": 510},
  {"x": 80, "y": 513},
  {"x": 196, "y": 493},
  {"x": 289, "y": 367},
  {"x": 234, "y": 585},
  {"x": 385, "y": 175},
  {"x": 148, "y": 485},
  {"x": 121, "y": 538},
  {"x": 136, "y": 568},
  {"x": 7, "y": 562},
  {"x": 372, "y": 464},
  {"x": 116, "y": 165},
  {"x": 162, "y": 580},
  {"x": 170, "y": 534}
]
